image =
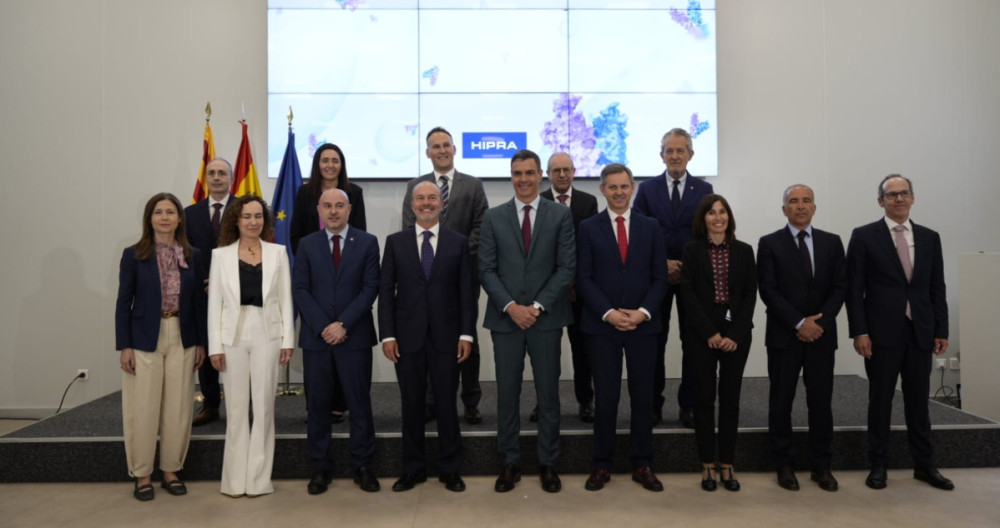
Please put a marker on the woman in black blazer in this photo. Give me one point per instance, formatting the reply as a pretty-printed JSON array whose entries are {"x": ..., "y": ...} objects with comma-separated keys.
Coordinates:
[
  {"x": 329, "y": 171},
  {"x": 719, "y": 291},
  {"x": 161, "y": 332}
]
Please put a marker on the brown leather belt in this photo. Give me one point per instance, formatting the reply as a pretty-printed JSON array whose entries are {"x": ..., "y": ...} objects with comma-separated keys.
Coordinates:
[{"x": 168, "y": 315}]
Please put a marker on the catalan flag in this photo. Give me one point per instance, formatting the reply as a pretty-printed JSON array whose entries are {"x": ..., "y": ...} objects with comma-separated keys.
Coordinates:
[
  {"x": 207, "y": 155},
  {"x": 244, "y": 174},
  {"x": 289, "y": 181}
]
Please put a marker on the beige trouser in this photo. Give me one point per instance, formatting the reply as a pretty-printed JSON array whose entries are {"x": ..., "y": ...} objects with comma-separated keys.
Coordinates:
[{"x": 160, "y": 396}]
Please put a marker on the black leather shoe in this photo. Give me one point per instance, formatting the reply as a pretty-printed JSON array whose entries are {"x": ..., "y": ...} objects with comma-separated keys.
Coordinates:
[
  {"x": 174, "y": 487},
  {"x": 452, "y": 481},
  {"x": 337, "y": 417},
  {"x": 731, "y": 484},
  {"x": 508, "y": 476},
  {"x": 550, "y": 479},
  {"x": 933, "y": 477},
  {"x": 206, "y": 415},
  {"x": 657, "y": 417},
  {"x": 876, "y": 478},
  {"x": 587, "y": 412},
  {"x": 472, "y": 416},
  {"x": 647, "y": 478},
  {"x": 319, "y": 482},
  {"x": 787, "y": 478},
  {"x": 364, "y": 477},
  {"x": 597, "y": 479},
  {"x": 708, "y": 482},
  {"x": 686, "y": 418},
  {"x": 409, "y": 480},
  {"x": 825, "y": 480},
  {"x": 144, "y": 492},
  {"x": 533, "y": 417}
]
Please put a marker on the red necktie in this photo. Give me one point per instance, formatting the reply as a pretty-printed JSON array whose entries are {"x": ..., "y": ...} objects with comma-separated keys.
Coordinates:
[
  {"x": 336, "y": 252},
  {"x": 562, "y": 198},
  {"x": 622, "y": 238},
  {"x": 526, "y": 228}
]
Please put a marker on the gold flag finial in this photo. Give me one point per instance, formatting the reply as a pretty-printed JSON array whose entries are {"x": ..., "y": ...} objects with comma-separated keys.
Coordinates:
[
  {"x": 290, "y": 116},
  {"x": 208, "y": 111}
]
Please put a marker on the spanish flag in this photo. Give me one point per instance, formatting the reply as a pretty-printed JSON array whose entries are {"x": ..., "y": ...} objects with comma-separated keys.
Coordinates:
[
  {"x": 244, "y": 174},
  {"x": 207, "y": 155}
]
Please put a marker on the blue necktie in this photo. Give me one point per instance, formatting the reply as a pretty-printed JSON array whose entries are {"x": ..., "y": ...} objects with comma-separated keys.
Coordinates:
[
  {"x": 444, "y": 195},
  {"x": 427, "y": 254}
]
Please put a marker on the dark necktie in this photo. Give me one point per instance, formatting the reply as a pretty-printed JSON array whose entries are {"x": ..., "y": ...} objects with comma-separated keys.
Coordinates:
[
  {"x": 804, "y": 250},
  {"x": 675, "y": 197},
  {"x": 336, "y": 252},
  {"x": 526, "y": 228},
  {"x": 622, "y": 238},
  {"x": 444, "y": 195},
  {"x": 562, "y": 198},
  {"x": 216, "y": 218},
  {"x": 427, "y": 254}
]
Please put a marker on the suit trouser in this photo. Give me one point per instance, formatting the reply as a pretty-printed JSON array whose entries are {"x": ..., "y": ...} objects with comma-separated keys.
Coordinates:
[
  {"x": 251, "y": 376},
  {"x": 783, "y": 366},
  {"x": 542, "y": 347},
  {"x": 472, "y": 392},
  {"x": 160, "y": 396},
  {"x": 606, "y": 360},
  {"x": 582, "y": 374},
  {"x": 711, "y": 366},
  {"x": 208, "y": 384},
  {"x": 888, "y": 363},
  {"x": 322, "y": 371},
  {"x": 686, "y": 390},
  {"x": 413, "y": 370}
]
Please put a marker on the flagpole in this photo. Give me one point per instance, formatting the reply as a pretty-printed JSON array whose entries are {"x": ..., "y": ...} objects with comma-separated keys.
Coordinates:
[{"x": 288, "y": 390}]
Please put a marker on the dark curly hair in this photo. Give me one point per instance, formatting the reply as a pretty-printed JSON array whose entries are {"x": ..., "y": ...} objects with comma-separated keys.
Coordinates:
[{"x": 229, "y": 230}]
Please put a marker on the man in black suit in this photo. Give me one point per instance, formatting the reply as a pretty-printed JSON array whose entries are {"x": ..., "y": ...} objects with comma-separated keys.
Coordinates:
[
  {"x": 583, "y": 205},
  {"x": 897, "y": 311},
  {"x": 802, "y": 278},
  {"x": 426, "y": 319},
  {"x": 203, "y": 219},
  {"x": 463, "y": 206}
]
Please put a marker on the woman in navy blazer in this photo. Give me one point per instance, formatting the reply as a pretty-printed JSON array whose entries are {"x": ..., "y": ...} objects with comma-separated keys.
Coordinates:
[
  {"x": 719, "y": 292},
  {"x": 160, "y": 331}
]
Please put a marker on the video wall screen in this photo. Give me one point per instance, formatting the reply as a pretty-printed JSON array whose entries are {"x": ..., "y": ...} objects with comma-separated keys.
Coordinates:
[{"x": 601, "y": 80}]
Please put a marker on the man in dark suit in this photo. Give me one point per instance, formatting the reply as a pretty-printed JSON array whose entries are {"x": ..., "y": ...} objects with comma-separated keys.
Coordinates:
[
  {"x": 463, "y": 206},
  {"x": 802, "y": 278},
  {"x": 334, "y": 283},
  {"x": 622, "y": 281},
  {"x": 583, "y": 205},
  {"x": 203, "y": 219},
  {"x": 671, "y": 199},
  {"x": 527, "y": 260},
  {"x": 897, "y": 311},
  {"x": 426, "y": 317}
]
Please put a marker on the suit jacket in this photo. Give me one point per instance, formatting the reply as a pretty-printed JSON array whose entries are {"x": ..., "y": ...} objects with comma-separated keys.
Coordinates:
[
  {"x": 877, "y": 290},
  {"x": 698, "y": 290},
  {"x": 415, "y": 309},
  {"x": 583, "y": 205},
  {"x": 466, "y": 206},
  {"x": 790, "y": 294},
  {"x": 138, "y": 308},
  {"x": 198, "y": 218},
  {"x": 653, "y": 200},
  {"x": 224, "y": 296},
  {"x": 325, "y": 295},
  {"x": 305, "y": 218},
  {"x": 604, "y": 283},
  {"x": 542, "y": 275}
]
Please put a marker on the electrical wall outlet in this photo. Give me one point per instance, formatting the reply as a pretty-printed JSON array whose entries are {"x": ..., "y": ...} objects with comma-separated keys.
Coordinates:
[
  {"x": 939, "y": 363},
  {"x": 83, "y": 374},
  {"x": 954, "y": 364}
]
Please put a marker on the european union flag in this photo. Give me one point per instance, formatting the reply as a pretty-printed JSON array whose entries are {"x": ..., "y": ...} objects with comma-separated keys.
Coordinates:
[{"x": 289, "y": 181}]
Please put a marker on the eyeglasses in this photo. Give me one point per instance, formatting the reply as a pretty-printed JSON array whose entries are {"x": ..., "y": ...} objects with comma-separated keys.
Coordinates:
[{"x": 900, "y": 194}]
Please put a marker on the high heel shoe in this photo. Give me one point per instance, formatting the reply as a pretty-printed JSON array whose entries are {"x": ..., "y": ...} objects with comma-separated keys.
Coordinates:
[
  {"x": 731, "y": 483},
  {"x": 708, "y": 482}
]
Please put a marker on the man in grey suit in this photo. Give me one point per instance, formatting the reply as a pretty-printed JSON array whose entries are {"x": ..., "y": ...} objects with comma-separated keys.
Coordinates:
[
  {"x": 527, "y": 260},
  {"x": 464, "y": 204}
]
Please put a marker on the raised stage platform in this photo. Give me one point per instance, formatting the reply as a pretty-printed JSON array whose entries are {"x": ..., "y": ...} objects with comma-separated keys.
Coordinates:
[{"x": 84, "y": 444}]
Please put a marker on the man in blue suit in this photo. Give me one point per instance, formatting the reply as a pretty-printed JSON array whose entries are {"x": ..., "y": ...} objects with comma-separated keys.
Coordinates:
[
  {"x": 622, "y": 281},
  {"x": 802, "y": 278},
  {"x": 334, "y": 283},
  {"x": 897, "y": 311},
  {"x": 671, "y": 198},
  {"x": 527, "y": 260},
  {"x": 203, "y": 219},
  {"x": 426, "y": 317}
]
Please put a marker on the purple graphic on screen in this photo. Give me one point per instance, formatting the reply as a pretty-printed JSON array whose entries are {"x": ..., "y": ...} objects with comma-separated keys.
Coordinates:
[
  {"x": 568, "y": 131},
  {"x": 609, "y": 127},
  {"x": 432, "y": 74},
  {"x": 691, "y": 19},
  {"x": 313, "y": 143},
  {"x": 411, "y": 129},
  {"x": 697, "y": 127},
  {"x": 350, "y": 5},
  {"x": 373, "y": 162}
]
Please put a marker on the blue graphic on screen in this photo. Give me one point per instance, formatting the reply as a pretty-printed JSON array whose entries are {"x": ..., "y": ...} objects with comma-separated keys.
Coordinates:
[{"x": 375, "y": 77}]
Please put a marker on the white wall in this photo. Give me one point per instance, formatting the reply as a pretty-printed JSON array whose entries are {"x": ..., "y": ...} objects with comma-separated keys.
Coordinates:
[{"x": 102, "y": 106}]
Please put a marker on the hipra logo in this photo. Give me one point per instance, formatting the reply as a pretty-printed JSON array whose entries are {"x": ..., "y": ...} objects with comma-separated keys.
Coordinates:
[{"x": 492, "y": 144}]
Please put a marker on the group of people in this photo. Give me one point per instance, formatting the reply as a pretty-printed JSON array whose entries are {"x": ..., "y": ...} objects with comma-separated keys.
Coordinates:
[{"x": 546, "y": 260}]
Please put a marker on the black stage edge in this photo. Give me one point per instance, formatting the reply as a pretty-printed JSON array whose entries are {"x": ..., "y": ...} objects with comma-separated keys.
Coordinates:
[{"x": 84, "y": 444}]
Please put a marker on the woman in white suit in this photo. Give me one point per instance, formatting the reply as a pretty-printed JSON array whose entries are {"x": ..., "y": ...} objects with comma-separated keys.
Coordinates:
[{"x": 251, "y": 329}]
